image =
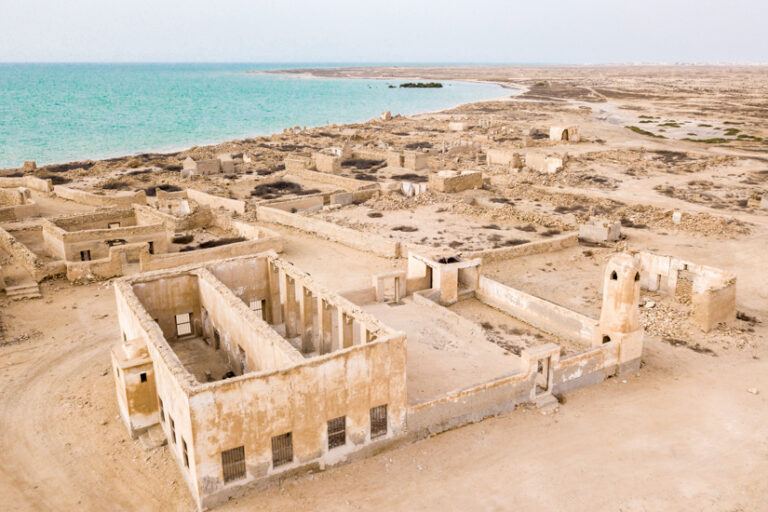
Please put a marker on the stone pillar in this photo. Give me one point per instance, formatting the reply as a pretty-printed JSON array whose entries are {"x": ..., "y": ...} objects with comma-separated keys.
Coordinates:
[
  {"x": 337, "y": 333},
  {"x": 274, "y": 307},
  {"x": 306, "y": 310},
  {"x": 291, "y": 315},
  {"x": 327, "y": 314},
  {"x": 347, "y": 330}
]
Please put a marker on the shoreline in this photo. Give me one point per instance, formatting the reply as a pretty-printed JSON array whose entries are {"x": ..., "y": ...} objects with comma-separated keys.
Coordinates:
[{"x": 168, "y": 151}]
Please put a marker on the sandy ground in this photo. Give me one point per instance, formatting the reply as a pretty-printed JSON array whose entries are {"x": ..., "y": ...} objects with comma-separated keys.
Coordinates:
[{"x": 688, "y": 431}]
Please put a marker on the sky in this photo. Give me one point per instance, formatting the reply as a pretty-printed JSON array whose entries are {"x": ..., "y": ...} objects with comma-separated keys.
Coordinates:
[{"x": 479, "y": 31}]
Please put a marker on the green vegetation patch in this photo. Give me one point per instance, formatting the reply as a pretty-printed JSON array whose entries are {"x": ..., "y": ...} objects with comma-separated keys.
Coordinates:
[
  {"x": 714, "y": 140},
  {"x": 672, "y": 124},
  {"x": 731, "y": 132},
  {"x": 644, "y": 132}
]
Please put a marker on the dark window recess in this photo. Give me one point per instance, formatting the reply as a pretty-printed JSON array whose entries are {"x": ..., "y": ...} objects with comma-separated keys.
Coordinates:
[
  {"x": 606, "y": 339},
  {"x": 233, "y": 464},
  {"x": 637, "y": 276},
  {"x": 151, "y": 247},
  {"x": 85, "y": 255},
  {"x": 378, "y": 421},
  {"x": 143, "y": 377},
  {"x": 173, "y": 429},
  {"x": 184, "y": 452},
  {"x": 614, "y": 276},
  {"x": 162, "y": 409},
  {"x": 282, "y": 449},
  {"x": 337, "y": 432}
]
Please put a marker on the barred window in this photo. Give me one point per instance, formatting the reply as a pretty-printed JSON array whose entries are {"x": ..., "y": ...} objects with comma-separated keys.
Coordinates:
[
  {"x": 378, "y": 421},
  {"x": 233, "y": 464},
  {"x": 337, "y": 432},
  {"x": 282, "y": 449}
]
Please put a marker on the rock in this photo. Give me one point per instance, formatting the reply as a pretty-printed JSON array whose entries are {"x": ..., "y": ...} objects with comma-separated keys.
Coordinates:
[
  {"x": 677, "y": 217},
  {"x": 754, "y": 391},
  {"x": 650, "y": 304}
]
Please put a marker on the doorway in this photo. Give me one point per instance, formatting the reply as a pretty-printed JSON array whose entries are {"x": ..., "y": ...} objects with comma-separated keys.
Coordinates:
[{"x": 543, "y": 369}]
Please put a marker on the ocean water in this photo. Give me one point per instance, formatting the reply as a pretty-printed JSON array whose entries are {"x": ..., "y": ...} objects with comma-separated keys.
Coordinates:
[{"x": 55, "y": 113}]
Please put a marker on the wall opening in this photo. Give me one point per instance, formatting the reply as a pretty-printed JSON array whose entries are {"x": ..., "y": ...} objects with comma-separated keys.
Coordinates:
[
  {"x": 173, "y": 429},
  {"x": 233, "y": 464},
  {"x": 282, "y": 449},
  {"x": 162, "y": 409},
  {"x": 614, "y": 276},
  {"x": 151, "y": 247},
  {"x": 184, "y": 324},
  {"x": 184, "y": 452},
  {"x": 606, "y": 339},
  {"x": 258, "y": 307},
  {"x": 243, "y": 359},
  {"x": 113, "y": 225},
  {"x": 337, "y": 432},
  {"x": 85, "y": 255},
  {"x": 542, "y": 375},
  {"x": 143, "y": 377},
  {"x": 378, "y": 421}
]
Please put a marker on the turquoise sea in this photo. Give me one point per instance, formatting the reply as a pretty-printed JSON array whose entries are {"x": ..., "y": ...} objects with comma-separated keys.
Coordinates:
[{"x": 55, "y": 113}]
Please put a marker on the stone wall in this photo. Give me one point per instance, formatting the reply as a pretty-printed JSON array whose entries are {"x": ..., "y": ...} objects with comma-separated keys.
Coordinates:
[
  {"x": 454, "y": 181},
  {"x": 30, "y": 182},
  {"x": 123, "y": 199},
  {"x": 20, "y": 254},
  {"x": 553, "y": 244},
  {"x": 367, "y": 242},
  {"x": 177, "y": 259},
  {"x": 542, "y": 314},
  {"x": 713, "y": 293},
  {"x": 214, "y": 202}
]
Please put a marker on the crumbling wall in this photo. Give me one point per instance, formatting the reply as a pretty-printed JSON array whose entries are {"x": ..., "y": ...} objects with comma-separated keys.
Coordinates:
[
  {"x": 327, "y": 163},
  {"x": 20, "y": 254},
  {"x": 505, "y": 157},
  {"x": 13, "y": 196},
  {"x": 214, "y": 202},
  {"x": 455, "y": 181},
  {"x": 713, "y": 297}
]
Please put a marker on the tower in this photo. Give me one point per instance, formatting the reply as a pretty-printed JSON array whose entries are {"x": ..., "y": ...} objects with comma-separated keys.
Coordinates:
[{"x": 620, "y": 315}]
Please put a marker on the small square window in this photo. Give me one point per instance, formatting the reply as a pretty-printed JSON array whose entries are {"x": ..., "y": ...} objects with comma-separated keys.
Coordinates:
[
  {"x": 143, "y": 377},
  {"x": 282, "y": 449},
  {"x": 113, "y": 225},
  {"x": 378, "y": 421},
  {"x": 85, "y": 255}
]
